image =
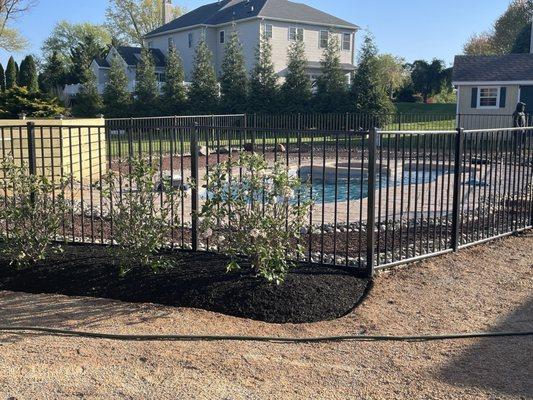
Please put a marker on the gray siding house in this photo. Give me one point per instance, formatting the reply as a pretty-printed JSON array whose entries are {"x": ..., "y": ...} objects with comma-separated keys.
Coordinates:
[{"x": 282, "y": 21}]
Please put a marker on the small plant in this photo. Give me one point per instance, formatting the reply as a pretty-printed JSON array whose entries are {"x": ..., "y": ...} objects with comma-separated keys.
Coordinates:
[
  {"x": 32, "y": 211},
  {"x": 142, "y": 214},
  {"x": 251, "y": 210}
]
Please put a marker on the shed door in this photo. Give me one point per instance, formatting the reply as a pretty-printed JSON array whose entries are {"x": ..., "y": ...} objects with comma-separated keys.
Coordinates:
[{"x": 526, "y": 96}]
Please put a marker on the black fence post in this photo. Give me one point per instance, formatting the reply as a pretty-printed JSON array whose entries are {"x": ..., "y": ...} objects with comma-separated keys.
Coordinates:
[
  {"x": 371, "y": 211},
  {"x": 195, "y": 183},
  {"x": 459, "y": 144}
]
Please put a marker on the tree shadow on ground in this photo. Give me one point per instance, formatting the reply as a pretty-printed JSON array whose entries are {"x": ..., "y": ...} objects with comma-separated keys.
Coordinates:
[
  {"x": 501, "y": 364},
  {"x": 21, "y": 309}
]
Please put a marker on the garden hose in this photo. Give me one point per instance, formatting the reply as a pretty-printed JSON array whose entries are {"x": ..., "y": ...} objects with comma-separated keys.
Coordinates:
[{"x": 271, "y": 339}]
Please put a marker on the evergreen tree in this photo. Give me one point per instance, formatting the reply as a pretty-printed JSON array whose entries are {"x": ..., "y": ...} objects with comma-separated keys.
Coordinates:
[
  {"x": 11, "y": 74},
  {"x": 264, "y": 89},
  {"x": 82, "y": 55},
  {"x": 204, "y": 91},
  {"x": 146, "y": 90},
  {"x": 54, "y": 75},
  {"x": 331, "y": 94},
  {"x": 28, "y": 74},
  {"x": 368, "y": 94},
  {"x": 174, "y": 91},
  {"x": 296, "y": 91},
  {"x": 2, "y": 79},
  {"x": 117, "y": 99},
  {"x": 36, "y": 105},
  {"x": 88, "y": 102},
  {"x": 233, "y": 77}
]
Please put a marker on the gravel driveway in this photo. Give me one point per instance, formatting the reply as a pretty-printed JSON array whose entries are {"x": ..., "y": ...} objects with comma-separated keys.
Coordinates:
[{"x": 488, "y": 287}]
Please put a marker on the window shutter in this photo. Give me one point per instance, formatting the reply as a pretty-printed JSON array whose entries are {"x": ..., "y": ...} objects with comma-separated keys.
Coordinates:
[
  {"x": 503, "y": 96},
  {"x": 473, "y": 101}
]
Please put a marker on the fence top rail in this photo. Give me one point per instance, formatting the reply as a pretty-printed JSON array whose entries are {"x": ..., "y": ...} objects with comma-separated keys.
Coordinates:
[
  {"x": 176, "y": 116},
  {"x": 415, "y": 132},
  {"x": 525, "y": 128},
  {"x": 324, "y": 132}
]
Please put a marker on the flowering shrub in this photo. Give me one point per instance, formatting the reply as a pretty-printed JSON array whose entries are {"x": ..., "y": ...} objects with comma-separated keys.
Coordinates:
[
  {"x": 255, "y": 215},
  {"x": 32, "y": 211},
  {"x": 142, "y": 213}
]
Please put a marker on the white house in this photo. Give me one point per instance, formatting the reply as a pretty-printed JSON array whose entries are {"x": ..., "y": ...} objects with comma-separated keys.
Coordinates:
[{"x": 282, "y": 21}]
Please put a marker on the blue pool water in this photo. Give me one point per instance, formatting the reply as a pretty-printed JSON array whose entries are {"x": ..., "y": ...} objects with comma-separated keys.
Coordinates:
[{"x": 357, "y": 188}]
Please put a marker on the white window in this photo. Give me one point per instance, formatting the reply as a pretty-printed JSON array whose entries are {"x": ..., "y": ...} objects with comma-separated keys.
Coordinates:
[
  {"x": 170, "y": 42},
  {"x": 488, "y": 97},
  {"x": 160, "y": 77},
  {"x": 324, "y": 38},
  {"x": 222, "y": 37},
  {"x": 191, "y": 38},
  {"x": 346, "y": 41},
  {"x": 296, "y": 34},
  {"x": 268, "y": 31}
]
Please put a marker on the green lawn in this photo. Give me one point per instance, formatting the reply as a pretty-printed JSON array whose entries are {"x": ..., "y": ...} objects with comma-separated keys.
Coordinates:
[{"x": 421, "y": 108}]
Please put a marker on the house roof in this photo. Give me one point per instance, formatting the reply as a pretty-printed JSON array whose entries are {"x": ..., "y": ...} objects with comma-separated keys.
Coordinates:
[
  {"x": 102, "y": 62},
  {"x": 132, "y": 55},
  {"x": 506, "y": 68},
  {"x": 225, "y": 11}
]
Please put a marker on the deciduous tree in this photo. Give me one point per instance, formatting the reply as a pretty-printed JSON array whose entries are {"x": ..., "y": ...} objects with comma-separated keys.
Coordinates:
[
  {"x": 131, "y": 20},
  {"x": 10, "y": 37}
]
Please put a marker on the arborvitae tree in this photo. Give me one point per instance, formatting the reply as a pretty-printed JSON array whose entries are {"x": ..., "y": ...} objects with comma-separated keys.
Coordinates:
[
  {"x": 264, "y": 88},
  {"x": 368, "y": 95},
  {"x": 296, "y": 91},
  {"x": 88, "y": 102},
  {"x": 331, "y": 94},
  {"x": 54, "y": 75},
  {"x": 28, "y": 74},
  {"x": 204, "y": 91},
  {"x": 174, "y": 91},
  {"x": 11, "y": 74},
  {"x": 117, "y": 99},
  {"x": 2, "y": 79},
  {"x": 233, "y": 77},
  {"x": 146, "y": 90}
]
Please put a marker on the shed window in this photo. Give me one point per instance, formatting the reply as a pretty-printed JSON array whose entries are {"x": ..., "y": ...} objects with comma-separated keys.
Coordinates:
[
  {"x": 488, "y": 97},
  {"x": 324, "y": 38},
  {"x": 296, "y": 34}
]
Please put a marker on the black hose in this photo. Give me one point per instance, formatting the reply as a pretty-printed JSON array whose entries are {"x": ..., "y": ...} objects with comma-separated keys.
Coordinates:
[{"x": 272, "y": 339}]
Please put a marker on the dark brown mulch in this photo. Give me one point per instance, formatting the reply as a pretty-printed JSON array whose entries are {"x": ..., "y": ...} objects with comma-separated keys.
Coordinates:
[{"x": 197, "y": 280}]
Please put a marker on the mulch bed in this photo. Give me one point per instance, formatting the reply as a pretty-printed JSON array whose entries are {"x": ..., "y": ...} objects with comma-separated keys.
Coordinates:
[{"x": 197, "y": 280}]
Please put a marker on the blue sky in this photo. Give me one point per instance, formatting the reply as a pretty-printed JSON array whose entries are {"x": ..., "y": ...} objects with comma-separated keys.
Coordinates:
[{"x": 413, "y": 29}]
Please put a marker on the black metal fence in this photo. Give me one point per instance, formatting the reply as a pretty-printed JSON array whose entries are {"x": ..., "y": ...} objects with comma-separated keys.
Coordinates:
[{"x": 382, "y": 197}]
